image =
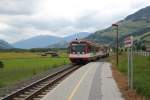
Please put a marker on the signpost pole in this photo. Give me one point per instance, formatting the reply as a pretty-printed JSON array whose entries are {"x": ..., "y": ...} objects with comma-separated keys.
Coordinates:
[
  {"x": 131, "y": 68},
  {"x": 128, "y": 44},
  {"x": 128, "y": 53},
  {"x": 117, "y": 46}
]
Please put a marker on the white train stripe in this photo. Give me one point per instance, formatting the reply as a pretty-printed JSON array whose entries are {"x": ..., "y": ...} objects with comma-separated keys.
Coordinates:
[{"x": 89, "y": 55}]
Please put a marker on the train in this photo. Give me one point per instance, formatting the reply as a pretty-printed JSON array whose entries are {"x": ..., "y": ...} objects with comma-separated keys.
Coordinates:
[{"x": 84, "y": 51}]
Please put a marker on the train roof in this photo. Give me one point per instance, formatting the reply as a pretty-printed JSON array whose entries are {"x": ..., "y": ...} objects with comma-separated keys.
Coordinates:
[{"x": 85, "y": 41}]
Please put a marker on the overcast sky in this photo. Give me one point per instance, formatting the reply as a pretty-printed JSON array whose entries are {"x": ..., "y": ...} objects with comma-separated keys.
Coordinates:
[{"x": 21, "y": 19}]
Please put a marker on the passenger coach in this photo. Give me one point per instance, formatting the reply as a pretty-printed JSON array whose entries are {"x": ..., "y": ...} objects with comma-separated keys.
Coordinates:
[{"x": 83, "y": 51}]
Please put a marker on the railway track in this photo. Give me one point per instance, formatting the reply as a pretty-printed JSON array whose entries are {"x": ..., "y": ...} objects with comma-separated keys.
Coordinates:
[{"x": 38, "y": 89}]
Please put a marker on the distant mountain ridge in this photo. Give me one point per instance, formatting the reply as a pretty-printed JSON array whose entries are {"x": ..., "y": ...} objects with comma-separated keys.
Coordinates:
[
  {"x": 135, "y": 24},
  {"x": 61, "y": 44},
  {"x": 43, "y": 41},
  {"x": 5, "y": 45},
  {"x": 65, "y": 42},
  {"x": 79, "y": 35},
  {"x": 40, "y": 41},
  {"x": 139, "y": 15}
]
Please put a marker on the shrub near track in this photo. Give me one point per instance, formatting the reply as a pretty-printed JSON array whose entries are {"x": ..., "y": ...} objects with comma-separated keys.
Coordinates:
[
  {"x": 141, "y": 65},
  {"x": 20, "y": 66}
]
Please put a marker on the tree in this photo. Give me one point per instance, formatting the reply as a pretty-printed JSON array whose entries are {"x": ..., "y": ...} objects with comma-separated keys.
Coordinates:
[
  {"x": 1, "y": 64},
  {"x": 143, "y": 47}
]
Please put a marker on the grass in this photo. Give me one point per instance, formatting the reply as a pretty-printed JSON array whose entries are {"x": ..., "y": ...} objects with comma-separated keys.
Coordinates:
[
  {"x": 20, "y": 66},
  {"x": 141, "y": 72}
]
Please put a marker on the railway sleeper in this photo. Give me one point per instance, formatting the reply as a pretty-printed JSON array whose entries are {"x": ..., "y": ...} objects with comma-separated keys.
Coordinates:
[
  {"x": 17, "y": 98},
  {"x": 47, "y": 90},
  {"x": 36, "y": 88},
  {"x": 36, "y": 98},
  {"x": 27, "y": 92},
  {"x": 23, "y": 95},
  {"x": 32, "y": 90},
  {"x": 40, "y": 86},
  {"x": 44, "y": 93},
  {"x": 40, "y": 96}
]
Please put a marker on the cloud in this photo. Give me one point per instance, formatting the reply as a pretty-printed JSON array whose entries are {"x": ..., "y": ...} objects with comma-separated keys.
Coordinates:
[
  {"x": 17, "y": 7},
  {"x": 21, "y": 19}
]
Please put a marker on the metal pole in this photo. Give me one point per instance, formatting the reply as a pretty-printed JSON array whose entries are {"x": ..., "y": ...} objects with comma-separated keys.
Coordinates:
[
  {"x": 131, "y": 68},
  {"x": 128, "y": 53},
  {"x": 130, "y": 63},
  {"x": 117, "y": 45}
]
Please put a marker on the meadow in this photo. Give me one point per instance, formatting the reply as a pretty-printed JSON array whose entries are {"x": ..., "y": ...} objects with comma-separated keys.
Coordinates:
[
  {"x": 21, "y": 66},
  {"x": 141, "y": 67}
]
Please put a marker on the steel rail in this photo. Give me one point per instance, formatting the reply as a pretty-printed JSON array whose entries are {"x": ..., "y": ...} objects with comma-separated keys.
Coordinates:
[{"x": 49, "y": 82}]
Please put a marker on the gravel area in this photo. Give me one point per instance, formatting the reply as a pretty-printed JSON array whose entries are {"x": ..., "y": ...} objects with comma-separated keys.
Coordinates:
[
  {"x": 121, "y": 80},
  {"x": 7, "y": 90}
]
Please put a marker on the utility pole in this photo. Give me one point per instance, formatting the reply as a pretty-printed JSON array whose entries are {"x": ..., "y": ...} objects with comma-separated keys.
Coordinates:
[{"x": 117, "y": 43}]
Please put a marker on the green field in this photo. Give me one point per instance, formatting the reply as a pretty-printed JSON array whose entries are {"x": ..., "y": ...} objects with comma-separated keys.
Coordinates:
[
  {"x": 20, "y": 66},
  {"x": 141, "y": 72}
]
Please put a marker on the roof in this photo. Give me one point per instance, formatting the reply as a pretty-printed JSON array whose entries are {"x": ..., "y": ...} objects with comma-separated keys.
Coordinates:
[{"x": 86, "y": 41}]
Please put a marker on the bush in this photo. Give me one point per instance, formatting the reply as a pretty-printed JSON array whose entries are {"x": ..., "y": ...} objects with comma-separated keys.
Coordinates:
[{"x": 1, "y": 64}]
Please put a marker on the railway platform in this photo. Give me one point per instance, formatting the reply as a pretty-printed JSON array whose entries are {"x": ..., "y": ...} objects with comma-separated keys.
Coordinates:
[{"x": 93, "y": 81}]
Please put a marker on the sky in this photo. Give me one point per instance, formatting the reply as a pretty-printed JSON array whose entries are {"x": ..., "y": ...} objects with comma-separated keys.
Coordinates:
[{"x": 22, "y": 19}]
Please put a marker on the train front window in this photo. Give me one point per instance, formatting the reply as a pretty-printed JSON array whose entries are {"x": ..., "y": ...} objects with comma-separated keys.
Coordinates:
[{"x": 78, "y": 48}]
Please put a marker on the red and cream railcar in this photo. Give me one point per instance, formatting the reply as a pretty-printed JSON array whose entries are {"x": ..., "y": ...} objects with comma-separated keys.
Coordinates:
[{"x": 83, "y": 51}]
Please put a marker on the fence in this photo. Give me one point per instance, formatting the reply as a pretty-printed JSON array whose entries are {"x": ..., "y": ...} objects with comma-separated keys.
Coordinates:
[{"x": 142, "y": 53}]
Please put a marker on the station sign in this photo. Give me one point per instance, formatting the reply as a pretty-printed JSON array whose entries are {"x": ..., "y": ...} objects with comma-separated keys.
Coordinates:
[{"x": 128, "y": 41}]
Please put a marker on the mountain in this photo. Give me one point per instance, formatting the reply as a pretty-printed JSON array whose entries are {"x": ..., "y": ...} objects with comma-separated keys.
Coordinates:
[
  {"x": 62, "y": 44},
  {"x": 5, "y": 45},
  {"x": 37, "y": 42},
  {"x": 141, "y": 14},
  {"x": 42, "y": 41},
  {"x": 79, "y": 35},
  {"x": 65, "y": 42},
  {"x": 135, "y": 24}
]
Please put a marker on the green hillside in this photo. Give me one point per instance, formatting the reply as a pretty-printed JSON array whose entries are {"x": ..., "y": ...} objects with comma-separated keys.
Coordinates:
[
  {"x": 146, "y": 37},
  {"x": 136, "y": 24}
]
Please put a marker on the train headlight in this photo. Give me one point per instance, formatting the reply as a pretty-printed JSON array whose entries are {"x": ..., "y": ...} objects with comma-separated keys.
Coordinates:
[{"x": 83, "y": 52}]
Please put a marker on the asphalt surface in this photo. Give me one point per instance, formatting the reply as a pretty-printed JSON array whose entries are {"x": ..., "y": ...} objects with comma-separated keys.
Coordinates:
[{"x": 91, "y": 82}]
